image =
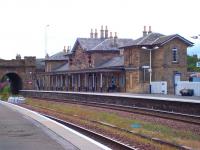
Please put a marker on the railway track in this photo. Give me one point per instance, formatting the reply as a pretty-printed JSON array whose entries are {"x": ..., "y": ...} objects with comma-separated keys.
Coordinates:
[
  {"x": 186, "y": 118},
  {"x": 76, "y": 127},
  {"x": 114, "y": 144}
]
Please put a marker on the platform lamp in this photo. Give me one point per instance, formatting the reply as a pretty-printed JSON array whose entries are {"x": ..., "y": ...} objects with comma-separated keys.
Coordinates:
[
  {"x": 46, "y": 38},
  {"x": 150, "y": 66}
]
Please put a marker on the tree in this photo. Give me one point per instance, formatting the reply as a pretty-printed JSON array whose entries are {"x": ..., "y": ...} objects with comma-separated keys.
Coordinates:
[{"x": 191, "y": 61}]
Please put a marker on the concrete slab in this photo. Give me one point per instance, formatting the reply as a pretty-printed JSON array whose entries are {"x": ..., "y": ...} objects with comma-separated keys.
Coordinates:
[{"x": 18, "y": 132}]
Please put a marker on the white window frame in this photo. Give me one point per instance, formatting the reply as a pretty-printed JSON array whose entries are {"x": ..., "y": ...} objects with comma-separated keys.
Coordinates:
[{"x": 175, "y": 50}]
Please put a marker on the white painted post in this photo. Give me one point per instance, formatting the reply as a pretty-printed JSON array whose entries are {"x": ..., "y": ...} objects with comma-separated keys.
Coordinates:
[
  {"x": 61, "y": 81},
  {"x": 85, "y": 81},
  {"x": 101, "y": 80},
  {"x": 72, "y": 82},
  {"x": 93, "y": 82},
  {"x": 66, "y": 82},
  {"x": 79, "y": 82}
]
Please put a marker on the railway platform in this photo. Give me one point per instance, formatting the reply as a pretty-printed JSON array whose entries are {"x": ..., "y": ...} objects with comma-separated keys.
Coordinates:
[
  {"x": 22, "y": 129},
  {"x": 179, "y": 104}
]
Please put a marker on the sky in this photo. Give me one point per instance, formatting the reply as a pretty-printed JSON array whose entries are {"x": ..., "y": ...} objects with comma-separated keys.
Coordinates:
[{"x": 23, "y": 23}]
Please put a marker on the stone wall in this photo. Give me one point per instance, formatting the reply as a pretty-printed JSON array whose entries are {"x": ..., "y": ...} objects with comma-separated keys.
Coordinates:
[
  {"x": 23, "y": 68},
  {"x": 139, "y": 101},
  {"x": 163, "y": 69},
  {"x": 87, "y": 59}
]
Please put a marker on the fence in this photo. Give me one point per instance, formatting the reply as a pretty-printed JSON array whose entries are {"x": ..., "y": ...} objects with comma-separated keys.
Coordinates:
[{"x": 188, "y": 85}]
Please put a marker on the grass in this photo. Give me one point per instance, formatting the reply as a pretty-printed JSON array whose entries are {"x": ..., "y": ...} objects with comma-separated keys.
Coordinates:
[
  {"x": 186, "y": 138},
  {"x": 5, "y": 93}
]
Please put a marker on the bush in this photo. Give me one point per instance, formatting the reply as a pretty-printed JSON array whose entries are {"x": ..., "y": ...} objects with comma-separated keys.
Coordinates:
[{"x": 5, "y": 92}]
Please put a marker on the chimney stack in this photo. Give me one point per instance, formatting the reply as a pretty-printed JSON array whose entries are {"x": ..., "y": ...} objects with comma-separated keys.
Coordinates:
[
  {"x": 115, "y": 39},
  {"x": 102, "y": 32},
  {"x": 64, "y": 50},
  {"x": 145, "y": 31},
  {"x": 68, "y": 49},
  {"x": 95, "y": 34},
  {"x": 47, "y": 56},
  {"x": 106, "y": 32},
  {"x": 111, "y": 35},
  {"x": 149, "y": 30},
  {"x": 91, "y": 34}
]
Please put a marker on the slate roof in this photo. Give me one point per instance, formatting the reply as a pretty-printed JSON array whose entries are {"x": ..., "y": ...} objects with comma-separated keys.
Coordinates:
[
  {"x": 93, "y": 44},
  {"x": 58, "y": 56},
  {"x": 156, "y": 39},
  {"x": 64, "y": 67},
  {"x": 40, "y": 64},
  {"x": 117, "y": 61}
]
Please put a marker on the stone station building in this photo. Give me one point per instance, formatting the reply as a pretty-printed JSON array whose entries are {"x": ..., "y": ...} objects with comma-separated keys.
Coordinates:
[{"x": 107, "y": 63}]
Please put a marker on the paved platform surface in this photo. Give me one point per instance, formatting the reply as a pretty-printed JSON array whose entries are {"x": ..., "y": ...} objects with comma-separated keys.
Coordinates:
[
  {"x": 23, "y": 129},
  {"x": 17, "y": 132}
]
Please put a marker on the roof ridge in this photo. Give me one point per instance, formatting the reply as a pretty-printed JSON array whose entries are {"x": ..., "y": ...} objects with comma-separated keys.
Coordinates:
[
  {"x": 99, "y": 44},
  {"x": 144, "y": 38},
  {"x": 155, "y": 40}
]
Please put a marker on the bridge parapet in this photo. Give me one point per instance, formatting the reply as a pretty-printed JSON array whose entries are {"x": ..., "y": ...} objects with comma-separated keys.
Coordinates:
[{"x": 11, "y": 63}]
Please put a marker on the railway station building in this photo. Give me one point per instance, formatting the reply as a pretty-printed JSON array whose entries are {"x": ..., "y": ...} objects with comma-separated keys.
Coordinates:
[{"x": 107, "y": 63}]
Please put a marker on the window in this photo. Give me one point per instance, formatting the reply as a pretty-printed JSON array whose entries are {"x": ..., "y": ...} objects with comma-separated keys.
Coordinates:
[
  {"x": 174, "y": 55},
  {"x": 130, "y": 57}
]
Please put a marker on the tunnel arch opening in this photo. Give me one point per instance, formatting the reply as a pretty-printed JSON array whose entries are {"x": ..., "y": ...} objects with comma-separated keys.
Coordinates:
[{"x": 15, "y": 82}]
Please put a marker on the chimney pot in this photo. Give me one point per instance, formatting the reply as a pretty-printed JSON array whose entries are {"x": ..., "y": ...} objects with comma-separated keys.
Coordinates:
[
  {"x": 68, "y": 49},
  {"x": 102, "y": 32},
  {"x": 111, "y": 35},
  {"x": 106, "y": 32},
  {"x": 144, "y": 32},
  {"x": 115, "y": 39},
  {"x": 91, "y": 34},
  {"x": 96, "y": 34},
  {"x": 64, "y": 50},
  {"x": 149, "y": 30}
]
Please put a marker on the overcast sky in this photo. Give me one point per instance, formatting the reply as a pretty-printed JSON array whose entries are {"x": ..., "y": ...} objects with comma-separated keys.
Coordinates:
[{"x": 23, "y": 22}]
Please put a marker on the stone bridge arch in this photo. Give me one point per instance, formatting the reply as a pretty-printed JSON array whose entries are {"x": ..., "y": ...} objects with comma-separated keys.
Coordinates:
[
  {"x": 19, "y": 72},
  {"x": 14, "y": 80}
]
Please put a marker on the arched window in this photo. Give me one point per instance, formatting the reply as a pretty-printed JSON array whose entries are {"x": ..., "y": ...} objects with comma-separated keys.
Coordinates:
[{"x": 174, "y": 55}]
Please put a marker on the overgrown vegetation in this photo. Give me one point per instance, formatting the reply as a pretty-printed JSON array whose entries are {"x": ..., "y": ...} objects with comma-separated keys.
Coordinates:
[
  {"x": 161, "y": 131},
  {"x": 191, "y": 61},
  {"x": 5, "y": 90}
]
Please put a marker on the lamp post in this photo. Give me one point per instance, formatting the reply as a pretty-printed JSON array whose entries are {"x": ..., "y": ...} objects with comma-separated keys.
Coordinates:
[
  {"x": 45, "y": 38},
  {"x": 150, "y": 66}
]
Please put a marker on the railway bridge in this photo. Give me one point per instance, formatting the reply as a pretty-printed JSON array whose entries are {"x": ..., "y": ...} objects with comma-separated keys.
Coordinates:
[{"x": 19, "y": 73}]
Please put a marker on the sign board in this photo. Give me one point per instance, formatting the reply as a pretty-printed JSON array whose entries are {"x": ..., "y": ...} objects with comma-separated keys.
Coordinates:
[{"x": 198, "y": 64}]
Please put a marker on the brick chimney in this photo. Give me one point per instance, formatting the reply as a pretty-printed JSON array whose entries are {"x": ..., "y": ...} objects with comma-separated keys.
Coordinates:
[
  {"x": 64, "y": 50},
  {"x": 102, "y": 32},
  {"x": 68, "y": 49},
  {"x": 145, "y": 31},
  {"x": 111, "y": 35},
  {"x": 47, "y": 56},
  {"x": 91, "y": 34},
  {"x": 18, "y": 57},
  {"x": 95, "y": 34},
  {"x": 149, "y": 30},
  {"x": 115, "y": 39},
  {"x": 106, "y": 32}
]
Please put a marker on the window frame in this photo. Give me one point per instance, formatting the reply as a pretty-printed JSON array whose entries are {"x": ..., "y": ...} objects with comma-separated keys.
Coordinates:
[{"x": 174, "y": 56}]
